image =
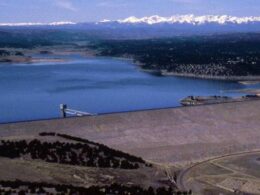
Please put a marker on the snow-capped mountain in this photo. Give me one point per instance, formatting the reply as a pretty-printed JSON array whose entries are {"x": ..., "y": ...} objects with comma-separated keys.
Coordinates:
[
  {"x": 177, "y": 19},
  {"x": 150, "y": 27},
  {"x": 38, "y": 24},
  {"x": 188, "y": 19}
]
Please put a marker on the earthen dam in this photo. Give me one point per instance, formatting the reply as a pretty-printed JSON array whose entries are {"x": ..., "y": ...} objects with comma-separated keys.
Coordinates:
[{"x": 174, "y": 135}]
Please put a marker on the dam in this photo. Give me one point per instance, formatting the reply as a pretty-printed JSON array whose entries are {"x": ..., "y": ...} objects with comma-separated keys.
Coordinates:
[{"x": 174, "y": 135}]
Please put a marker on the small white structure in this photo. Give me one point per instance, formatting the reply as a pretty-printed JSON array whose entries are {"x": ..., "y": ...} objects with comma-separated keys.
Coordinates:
[{"x": 64, "y": 111}]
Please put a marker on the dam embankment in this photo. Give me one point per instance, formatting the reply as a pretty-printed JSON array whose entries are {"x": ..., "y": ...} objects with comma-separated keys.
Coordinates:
[{"x": 176, "y": 135}]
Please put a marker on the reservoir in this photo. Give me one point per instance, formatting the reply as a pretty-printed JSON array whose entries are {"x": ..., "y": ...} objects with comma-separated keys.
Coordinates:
[{"x": 95, "y": 85}]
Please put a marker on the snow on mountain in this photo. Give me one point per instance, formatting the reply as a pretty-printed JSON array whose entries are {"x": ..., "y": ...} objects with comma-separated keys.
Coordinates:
[
  {"x": 189, "y": 19},
  {"x": 37, "y": 24},
  {"x": 177, "y": 19}
]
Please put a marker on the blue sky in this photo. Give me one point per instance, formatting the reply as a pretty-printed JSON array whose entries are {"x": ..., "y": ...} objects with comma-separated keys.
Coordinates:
[{"x": 12, "y": 11}]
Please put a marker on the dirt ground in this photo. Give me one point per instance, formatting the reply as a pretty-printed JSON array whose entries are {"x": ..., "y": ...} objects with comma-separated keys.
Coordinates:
[
  {"x": 25, "y": 168},
  {"x": 169, "y": 136},
  {"x": 37, "y": 171},
  {"x": 235, "y": 173}
]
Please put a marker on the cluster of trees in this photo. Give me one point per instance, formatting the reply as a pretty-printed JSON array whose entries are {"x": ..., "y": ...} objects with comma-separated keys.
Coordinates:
[
  {"x": 116, "y": 153},
  {"x": 4, "y": 53},
  {"x": 83, "y": 154},
  {"x": 237, "y": 55},
  {"x": 21, "y": 38},
  {"x": 30, "y": 38},
  {"x": 20, "y": 187}
]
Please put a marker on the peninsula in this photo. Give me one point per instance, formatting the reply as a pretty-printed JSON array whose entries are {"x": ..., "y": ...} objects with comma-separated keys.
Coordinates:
[{"x": 222, "y": 57}]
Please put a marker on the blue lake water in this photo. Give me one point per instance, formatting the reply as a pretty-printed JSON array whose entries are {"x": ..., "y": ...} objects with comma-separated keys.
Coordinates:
[{"x": 96, "y": 85}]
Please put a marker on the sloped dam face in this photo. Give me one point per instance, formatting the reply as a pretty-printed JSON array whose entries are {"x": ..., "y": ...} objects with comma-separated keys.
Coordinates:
[{"x": 167, "y": 136}]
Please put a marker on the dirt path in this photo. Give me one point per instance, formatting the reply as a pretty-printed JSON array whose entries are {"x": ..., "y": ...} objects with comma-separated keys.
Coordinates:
[{"x": 180, "y": 179}]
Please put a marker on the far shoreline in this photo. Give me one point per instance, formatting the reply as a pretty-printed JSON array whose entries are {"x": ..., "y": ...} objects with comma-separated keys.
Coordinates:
[
  {"x": 245, "y": 80},
  {"x": 225, "y": 78}
]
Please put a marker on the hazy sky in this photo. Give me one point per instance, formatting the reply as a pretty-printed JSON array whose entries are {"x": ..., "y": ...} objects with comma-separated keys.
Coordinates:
[{"x": 96, "y": 10}]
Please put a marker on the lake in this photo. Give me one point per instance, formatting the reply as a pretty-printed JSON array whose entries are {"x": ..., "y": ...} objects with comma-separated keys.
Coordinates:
[{"x": 96, "y": 85}]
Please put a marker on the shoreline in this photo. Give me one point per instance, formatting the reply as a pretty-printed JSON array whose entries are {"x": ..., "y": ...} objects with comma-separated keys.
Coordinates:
[
  {"x": 40, "y": 60},
  {"x": 248, "y": 91},
  {"x": 47, "y": 54},
  {"x": 180, "y": 107},
  {"x": 32, "y": 60},
  {"x": 245, "y": 80},
  {"x": 226, "y": 78}
]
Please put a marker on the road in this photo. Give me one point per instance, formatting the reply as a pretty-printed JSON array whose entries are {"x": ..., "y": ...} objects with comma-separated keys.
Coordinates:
[{"x": 180, "y": 179}]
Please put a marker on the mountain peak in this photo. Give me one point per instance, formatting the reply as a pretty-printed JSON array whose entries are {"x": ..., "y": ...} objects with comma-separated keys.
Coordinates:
[{"x": 189, "y": 19}]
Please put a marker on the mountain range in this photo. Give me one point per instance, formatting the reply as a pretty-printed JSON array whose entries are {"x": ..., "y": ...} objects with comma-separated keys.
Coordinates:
[
  {"x": 151, "y": 27},
  {"x": 188, "y": 19}
]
